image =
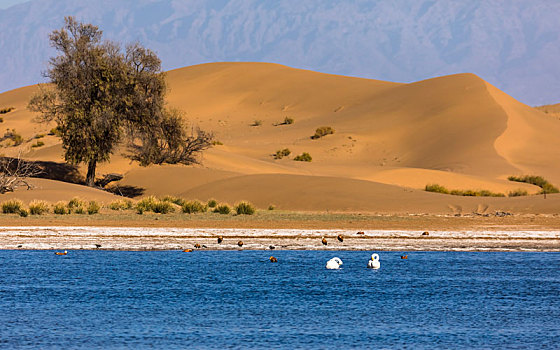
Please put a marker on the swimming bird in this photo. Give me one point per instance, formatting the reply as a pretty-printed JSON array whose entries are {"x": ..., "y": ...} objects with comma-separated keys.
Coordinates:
[
  {"x": 59, "y": 253},
  {"x": 187, "y": 250},
  {"x": 273, "y": 259},
  {"x": 340, "y": 238},
  {"x": 404, "y": 256},
  {"x": 197, "y": 246},
  {"x": 324, "y": 241},
  {"x": 240, "y": 243},
  {"x": 334, "y": 264},
  {"x": 220, "y": 239},
  {"x": 374, "y": 263}
]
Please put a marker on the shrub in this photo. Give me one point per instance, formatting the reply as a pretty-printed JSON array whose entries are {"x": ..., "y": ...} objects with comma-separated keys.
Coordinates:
[
  {"x": 121, "y": 204},
  {"x": 271, "y": 207},
  {"x": 257, "y": 122},
  {"x": 76, "y": 205},
  {"x": 93, "y": 207},
  {"x": 212, "y": 203},
  {"x": 281, "y": 153},
  {"x": 16, "y": 138},
  {"x": 39, "y": 136},
  {"x": 61, "y": 208},
  {"x": 518, "y": 193},
  {"x": 56, "y": 131},
  {"x": 288, "y": 121},
  {"x": 193, "y": 207},
  {"x": 23, "y": 213},
  {"x": 38, "y": 207},
  {"x": 436, "y": 188},
  {"x": 151, "y": 203},
  {"x": 217, "y": 143},
  {"x": 222, "y": 209},
  {"x": 162, "y": 207},
  {"x": 175, "y": 200},
  {"x": 38, "y": 144},
  {"x": 1, "y": 120},
  {"x": 322, "y": 131},
  {"x": 304, "y": 157},
  {"x": 536, "y": 180},
  {"x": 244, "y": 208},
  {"x": 12, "y": 206},
  {"x": 6, "y": 110}
]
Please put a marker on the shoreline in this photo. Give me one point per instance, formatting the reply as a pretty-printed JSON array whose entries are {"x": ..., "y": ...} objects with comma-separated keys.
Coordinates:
[{"x": 160, "y": 238}]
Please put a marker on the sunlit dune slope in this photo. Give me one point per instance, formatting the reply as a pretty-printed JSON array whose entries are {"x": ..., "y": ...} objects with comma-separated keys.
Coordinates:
[{"x": 457, "y": 131}]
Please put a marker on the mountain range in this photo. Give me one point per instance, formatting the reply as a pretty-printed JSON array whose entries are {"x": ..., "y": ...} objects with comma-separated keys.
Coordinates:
[{"x": 513, "y": 45}]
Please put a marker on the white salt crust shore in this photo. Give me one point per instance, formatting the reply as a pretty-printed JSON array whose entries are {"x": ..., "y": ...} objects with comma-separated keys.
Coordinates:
[{"x": 134, "y": 238}]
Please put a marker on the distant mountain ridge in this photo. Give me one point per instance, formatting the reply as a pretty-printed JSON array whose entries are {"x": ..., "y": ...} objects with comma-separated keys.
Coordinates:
[{"x": 514, "y": 45}]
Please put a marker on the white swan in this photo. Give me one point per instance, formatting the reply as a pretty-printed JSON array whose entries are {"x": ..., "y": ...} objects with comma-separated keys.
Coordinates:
[
  {"x": 334, "y": 263},
  {"x": 374, "y": 263}
]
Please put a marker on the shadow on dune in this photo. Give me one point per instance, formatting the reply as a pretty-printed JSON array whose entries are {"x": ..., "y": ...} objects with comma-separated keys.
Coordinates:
[
  {"x": 59, "y": 172},
  {"x": 126, "y": 191}
]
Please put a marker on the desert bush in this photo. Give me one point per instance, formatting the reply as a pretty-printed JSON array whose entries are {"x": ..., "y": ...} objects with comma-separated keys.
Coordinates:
[
  {"x": 193, "y": 207},
  {"x": 23, "y": 213},
  {"x": 281, "y": 153},
  {"x": 1, "y": 120},
  {"x": 540, "y": 181},
  {"x": 175, "y": 200},
  {"x": 6, "y": 110},
  {"x": 257, "y": 122},
  {"x": 121, "y": 204},
  {"x": 61, "y": 208},
  {"x": 222, "y": 208},
  {"x": 12, "y": 206},
  {"x": 39, "y": 136},
  {"x": 93, "y": 207},
  {"x": 38, "y": 144},
  {"x": 56, "y": 131},
  {"x": 217, "y": 143},
  {"x": 322, "y": 131},
  {"x": 77, "y": 206},
  {"x": 288, "y": 121},
  {"x": 436, "y": 188},
  {"x": 244, "y": 208},
  {"x": 212, "y": 203},
  {"x": 518, "y": 193},
  {"x": 38, "y": 207},
  {"x": 304, "y": 157},
  {"x": 16, "y": 138},
  {"x": 151, "y": 203},
  {"x": 271, "y": 207},
  {"x": 162, "y": 207}
]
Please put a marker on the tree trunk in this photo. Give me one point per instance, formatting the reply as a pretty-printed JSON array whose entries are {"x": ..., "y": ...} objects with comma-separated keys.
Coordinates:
[{"x": 90, "y": 178}]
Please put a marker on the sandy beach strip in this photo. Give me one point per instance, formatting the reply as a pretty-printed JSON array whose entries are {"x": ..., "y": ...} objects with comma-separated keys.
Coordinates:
[{"x": 149, "y": 238}]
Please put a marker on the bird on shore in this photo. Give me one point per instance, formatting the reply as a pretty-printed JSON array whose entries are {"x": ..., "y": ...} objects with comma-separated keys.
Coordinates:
[
  {"x": 334, "y": 264},
  {"x": 360, "y": 233},
  {"x": 340, "y": 238},
  {"x": 374, "y": 263},
  {"x": 324, "y": 241},
  {"x": 220, "y": 239},
  {"x": 59, "y": 253},
  {"x": 98, "y": 246},
  {"x": 197, "y": 246},
  {"x": 425, "y": 233},
  {"x": 273, "y": 259},
  {"x": 271, "y": 247},
  {"x": 240, "y": 243}
]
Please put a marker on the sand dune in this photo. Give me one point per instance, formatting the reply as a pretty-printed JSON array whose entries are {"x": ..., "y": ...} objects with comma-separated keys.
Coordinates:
[{"x": 390, "y": 140}]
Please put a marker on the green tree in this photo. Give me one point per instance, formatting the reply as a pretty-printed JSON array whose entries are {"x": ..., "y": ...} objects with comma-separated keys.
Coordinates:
[{"x": 101, "y": 95}]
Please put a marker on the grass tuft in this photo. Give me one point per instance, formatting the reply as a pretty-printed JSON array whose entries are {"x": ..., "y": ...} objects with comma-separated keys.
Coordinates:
[
  {"x": 304, "y": 157},
  {"x": 540, "y": 181},
  {"x": 121, "y": 204},
  {"x": 222, "y": 208},
  {"x": 193, "y": 207},
  {"x": 12, "y": 206},
  {"x": 93, "y": 207},
  {"x": 468, "y": 193},
  {"x": 61, "y": 208},
  {"x": 212, "y": 203},
  {"x": 38, "y": 207},
  {"x": 244, "y": 208},
  {"x": 518, "y": 193}
]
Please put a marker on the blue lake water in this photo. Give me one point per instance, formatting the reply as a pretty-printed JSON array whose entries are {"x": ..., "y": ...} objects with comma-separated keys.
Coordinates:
[{"x": 238, "y": 299}]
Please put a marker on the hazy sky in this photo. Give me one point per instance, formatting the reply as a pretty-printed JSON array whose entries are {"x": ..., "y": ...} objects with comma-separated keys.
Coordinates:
[{"x": 7, "y": 3}]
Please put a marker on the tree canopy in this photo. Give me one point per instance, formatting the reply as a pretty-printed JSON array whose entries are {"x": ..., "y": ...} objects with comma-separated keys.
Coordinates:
[{"x": 101, "y": 95}]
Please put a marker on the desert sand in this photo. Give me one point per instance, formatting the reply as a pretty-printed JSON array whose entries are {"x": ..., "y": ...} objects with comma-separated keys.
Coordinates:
[{"x": 390, "y": 141}]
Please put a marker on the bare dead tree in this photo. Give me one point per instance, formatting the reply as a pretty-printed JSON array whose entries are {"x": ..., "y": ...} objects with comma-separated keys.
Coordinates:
[{"x": 14, "y": 173}]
